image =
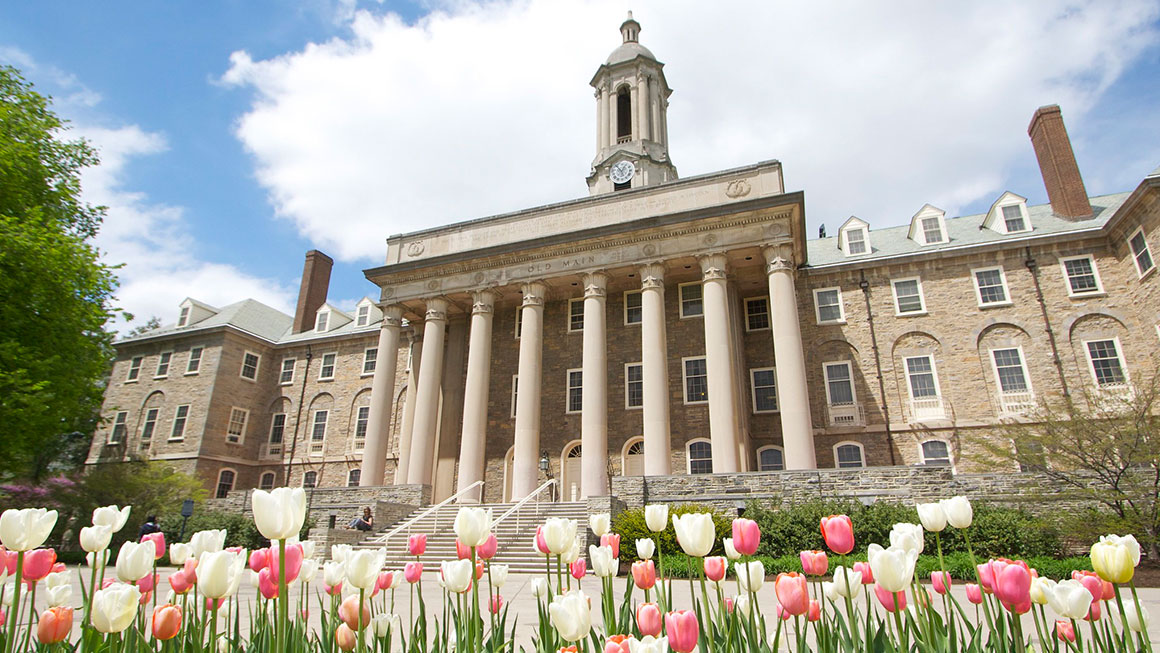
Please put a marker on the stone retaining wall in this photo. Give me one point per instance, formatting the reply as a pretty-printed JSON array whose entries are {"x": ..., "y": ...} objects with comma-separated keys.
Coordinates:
[{"x": 389, "y": 503}]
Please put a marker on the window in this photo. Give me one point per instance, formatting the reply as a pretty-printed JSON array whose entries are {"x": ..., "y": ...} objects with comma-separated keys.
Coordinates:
[
  {"x": 920, "y": 372},
  {"x": 266, "y": 481},
  {"x": 575, "y": 391},
  {"x": 576, "y": 314},
  {"x": 633, "y": 385},
  {"x": 277, "y": 427},
  {"x": 1013, "y": 219},
  {"x": 691, "y": 304},
  {"x": 839, "y": 383},
  {"x": 932, "y": 230},
  {"x": 1009, "y": 371},
  {"x": 236, "y": 430},
  {"x": 991, "y": 287},
  {"x": 286, "y": 376},
  {"x": 364, "y": 315},
  {"x": 370, "y": 356},
  {"x": 117, "y": 435},
  {"x": 310, "y": 479},
  {"x": 855, "y": 241},
  {"x": 1140, "y": 252},
  {"x": 847, "y": 455},
  {"x": 763, "y": 381},
  {"x": 908, "y": 297},
  {"x": 935, "y": 452},
  {"x": 134, "y": 369},
  {"x": 828, "y": 306},
  {"x": 194, "y": 365},
  {"x": 179, "y": 418},
  {"x": 148, "y": 426},
  {"x": 1082, "y": 276},
  {"x": 770, "y": 459},
  {"x": 633, "y": 307},
  {"x": 756, "y": 313},
  {"x": 326, "y": 372},
  {"x": 361, "y": 419},
  {"x": 250, "y": 366},
  {"x": 353, "y": 477},
  {"x": 515, "y": 391},
  {"x": 318, "y": 430},
  {"x": 163, "y": 365},
  {"x": 225, "y": 483},
  {"x": 183, "y": 318},
  {"x": 700, "y": 457},
  {"x": 322, "y": 321},
  {"x": 1106, "y": 364},
  {"x": 519, "y": 321},
  {"x": 696, "y": 381}
]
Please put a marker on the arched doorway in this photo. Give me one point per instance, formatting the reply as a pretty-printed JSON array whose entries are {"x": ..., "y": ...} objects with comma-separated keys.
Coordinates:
[
  {"x": 570, "y": 472},
  {"x": 508, "y": 462},
  {"x": 632, "y": 460}
]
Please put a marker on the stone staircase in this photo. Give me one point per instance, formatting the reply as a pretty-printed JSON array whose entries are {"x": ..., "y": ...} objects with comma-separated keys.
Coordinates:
[{"x": 515, "y": 539}]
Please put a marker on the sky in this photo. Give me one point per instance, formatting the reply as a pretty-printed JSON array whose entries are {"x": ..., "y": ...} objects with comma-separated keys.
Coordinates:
[{"x": 235, "y": 135}]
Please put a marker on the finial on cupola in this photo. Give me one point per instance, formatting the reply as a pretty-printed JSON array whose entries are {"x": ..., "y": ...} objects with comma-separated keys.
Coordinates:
[{"x": 630, "y": 29}]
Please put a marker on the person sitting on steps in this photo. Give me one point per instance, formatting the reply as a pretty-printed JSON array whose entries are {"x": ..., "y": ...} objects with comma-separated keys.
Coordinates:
[{"x": 364, "y": 523}]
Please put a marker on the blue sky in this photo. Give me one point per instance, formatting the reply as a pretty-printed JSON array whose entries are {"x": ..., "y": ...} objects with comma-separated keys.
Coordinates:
[{"x": 237, "y": 135}]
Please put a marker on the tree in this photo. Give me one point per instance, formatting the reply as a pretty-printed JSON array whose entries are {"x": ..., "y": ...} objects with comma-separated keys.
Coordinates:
[
  {"x": 153, "y": 323},
  {"x": 54, "y": 348}
]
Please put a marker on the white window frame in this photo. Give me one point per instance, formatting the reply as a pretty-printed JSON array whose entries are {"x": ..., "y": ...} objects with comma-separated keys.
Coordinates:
[
  {"x": 770, "y": 447},
  {"x": 321, "y": 442},
  {"x": 689, "y": 455},
  {"x": 681, "y": 300},
  {"x": 519, "y": 327},
  {"x": 628, "y": 444},
  {"x": 322, "y": 321},
  {"x": 1002, "y": 281},
  {"x": 1119, "y": 356},
  {"x": 921, "y": 298},
  {"x": 190, "y": 370},
  {"x": 164, "y": 358},
  {"x": 183, "y": 316},
  {"x": 640, "y": 294},
  {"x": 149, "y": 424},
  {"x": 257, "y": 366},
  {"x": 179, "y": 418},
  {"x": 293, "y": 371},
  {"x": 1136, "y": 258},
  {"x": 861, "y": 453},
  {"x": 1022, "y": 364},
  {"x": 1099, "y": 289},
  {"x": 233, "y": 482},
  {"x": 922, "y": 452},
  {"x": 572, "y": 303},
  {"x": 768, "y": 313},
  {"x": 122, "y": 415},
  {"x": 627, "y": 383},
  {"x": 685, "y": 381},
  {"x": 363, "y": 315},
  {"x": 568, "y": 391},
  {"x": 374, "y": 363},
  {"x": 134, "y": 372},
  {"x": 322, "y": 366},
  {"x": 515, "y": 392},
  {"x": 846, "y": 240},
  {"x": 354, "y": 437},
  {"x": 933, "y": 373},
  {"x": 753, "y": 390},
  {"x": 942, "y": 229},
  {"x": 818, "y": 307},
  {"x": 1022, "y": 206},
  {"x": 262, "y": 480},
  {"x": 245, "y": 425},
  {"x": 826, "y": 381}
]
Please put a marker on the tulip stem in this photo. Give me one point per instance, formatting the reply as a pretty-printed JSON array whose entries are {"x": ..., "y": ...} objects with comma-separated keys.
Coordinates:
[
  {"x": 898, "y": 598},
  {"x": 1147, "y": 641},
  {"x": 283, "y": 600},
  {"x": 1078, "y": 634},
  {"x": 15, "y": 602}
]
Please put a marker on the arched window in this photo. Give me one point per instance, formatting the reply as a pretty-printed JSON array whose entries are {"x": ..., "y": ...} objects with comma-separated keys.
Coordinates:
[
  {"x": 935, "y": 452},
  {"x": 700, "y": 457},
  {"x": 770, "y": 459},
  {"x": 225, "y": 483},
  {"x": 353, "y": 477},
  {"x": 848, "y": 454},
  {"x": 623, "y": 115},
  {"x": 632, "y": 463},
  {"x": 266, "y": 482},
  {"x": 310, "y": 479}
]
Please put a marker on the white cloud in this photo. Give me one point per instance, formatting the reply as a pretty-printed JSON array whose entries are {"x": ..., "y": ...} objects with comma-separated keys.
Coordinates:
[{"x": 873, "y": 108}]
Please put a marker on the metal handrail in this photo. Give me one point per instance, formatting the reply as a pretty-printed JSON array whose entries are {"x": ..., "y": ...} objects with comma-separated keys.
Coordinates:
[
  {"x": 407, "y": 524},
  {"x": 520, "y": 504}
]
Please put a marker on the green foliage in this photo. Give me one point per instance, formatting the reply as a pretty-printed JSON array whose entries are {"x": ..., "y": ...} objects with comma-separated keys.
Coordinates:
[
  {"x": 240, "y": 529},
  {"x": 630, "y": 525},
  {"x": 54, "y": 350}
]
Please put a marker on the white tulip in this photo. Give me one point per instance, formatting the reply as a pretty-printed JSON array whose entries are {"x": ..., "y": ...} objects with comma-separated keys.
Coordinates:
[
  {"x": 648, "y": 644},
  {"x": 179, "y": 553},
  {"x": 1133, "y": 617},
  {"x": 829, "y": 591},
  {"x": 1070, "y": 599},
  {"x": 59, "y": 596},
  {"x": 96, "y": 538},
  {"x": 893, "y": 568},
  {"x": 115, "y": 607},
  {"x": 572, "y": 554},
  {"x": 307, "y": 549},
  {"x": 219, "y": 573},
  {"x": 1041, "y": 588},
  {"x": 695, "y": 533},
  {"x": 99, "y": 559},
  {"x": 742, "y": 604},
  {"x": 499, "y": 574},
  {"x": 6, "y": 594},
  {"x": 750, "y": 575},
  {"x": 473, "y": 525},
  {"x": 600, "y": 523},
  {"x": 932, "y": 516},
  {"x": 279, "y": 514},
  {"x": 26, "y": 529},
  {"x": 559, "y": 535},
  {"x": 457, "y": 575},
  {"x": 135, "y": 561},
  {"x": 656, "y": 517},
  {"x": 210, "y": 541},
  {"x": 571, "y": 615},
  {"x": 539, "y": 587},
  {"x": 907, "y": 536},
  {"x": 645, "y": 548},
  {"x": 958, "y": 511},
  {"x": 730, "y": 550},
  {"x": 308, "y": 570},
  {"x": 339, "y": 552},
  {"x": 56, "y": 579},
  {"x": 111, "y": 516},
  {"x": 398, "y": 577},
  {"x": 847, "y": 583},
  {"x": 333, "y": 573},
  {"x": 363, "y": 566},
  {"x": 385, "y": 624},
  {"x": 603, "y": 564}
]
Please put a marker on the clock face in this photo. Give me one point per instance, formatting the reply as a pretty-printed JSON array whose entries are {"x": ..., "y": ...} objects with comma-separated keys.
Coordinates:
[{"x": 621, "y": 172}]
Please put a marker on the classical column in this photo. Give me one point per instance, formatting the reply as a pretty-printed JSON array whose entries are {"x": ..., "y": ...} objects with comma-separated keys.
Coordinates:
[
  {"x": 634, "y": 114},
  {"x": 378, "y": 434},
  {"x": 612, "y": 110},
  {"x": 654, "y": 370},
  {"x": 719, "y": 364},
  {"x": 642, "y": 106},
  {"x": 792, "y": 394},
  {"x": 408, "y": 425},
  {"x": 472, "y": 444},
  {"x": 427, "y": 398},
  {"x": 601, "y": 120},
  {"x": 655, "y": 106},
  {"x": 526, "y": 456},
  {"x": 594, "y": 391}
]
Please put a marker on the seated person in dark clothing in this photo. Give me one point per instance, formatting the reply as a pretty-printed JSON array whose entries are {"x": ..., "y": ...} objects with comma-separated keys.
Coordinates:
[
  {"x": 364, "y": 523},
  {"x": 150, "y": 526}
]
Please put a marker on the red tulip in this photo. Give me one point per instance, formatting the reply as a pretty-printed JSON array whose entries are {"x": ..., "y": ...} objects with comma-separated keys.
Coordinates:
[
  {"x": 612, "y": 541},
  {"x": 746, "y": 536},
  {"x": 714, "y": 568},
  {"x": 867, "y": 572},
  {"x": 487, "y": 550},
  {"x": 890, "y": 600},
  {"x": 267, "y": 585},
  {"x": 179, "y": 582},
  {"x": 166, "y": 622},
  {"x": 38, "y": 564},
  {"x": 1064, "y": 631},
  {"x": 259, "y": 559},
  {"x": 349, "y": 613},
  {"x": 838, "y": 532},
  {"x": 682, "y": 630},
  {"x": 345, "y": 638},
  {"x": 54, "y": 625},
  {"x": 158, "y": 540},
  {"x": 644, "y": 574},
  {"x": 413, "y": 571},
  {"x": 417, "y": 544},
  {"x": 974, "y": 593},
  {"x": 496, "y": 604},
  {"x": 462, "y": 551},
  {"x": 815, "y": 611},
  {"x": 579, "y": 567},
  {"x": 294, "y": 557},
  {"x": 941, "y": 581},
  {"x": 815, "y": 563},
  {"x": 648, "y": 619},
  {"x": 792, "y": 593}
]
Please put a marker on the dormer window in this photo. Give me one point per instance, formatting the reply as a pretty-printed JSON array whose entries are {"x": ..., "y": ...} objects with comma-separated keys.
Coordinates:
[
  {"x": 364, "y": 315},
  {"x": 1013, "y": 218},
  {"x": 932, "y": 230},
  {"x": 856, "y": 241},
  {"x": 183, "y": 319},
  {"x": 1008, "y": 215},
  {"x": 322, "y": 322},
  {"x": 854, "y": 237},
  {"x": 928, "y": 226}
]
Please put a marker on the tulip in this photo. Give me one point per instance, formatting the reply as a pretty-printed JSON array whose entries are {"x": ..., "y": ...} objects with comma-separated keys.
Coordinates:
[
  {"x": 814, "y": 563},
  {"x": 38, "y": 564},
  {"x": 750, "y": 575},
  {"x": 782, "y": 614},
  {"x": 385, "y": 624},
  {"x": 695, "y": 533},
  {"x": 59, "y": 596},
  {"x": 147, "y": 584},
  {"x": 714, "y": 567},
  {"x": 259, "y": 559},
  {"x": 578, "y": 568},
  {"x": 644, "y": 574},
  {"x": 413, "y": 571},
  {"x": 611, "y": 540},
  {"x": 166, "y": 622},
  {"x": 572, "y": 554},
  {"x": 649, "y": 644},
  {"x": 867, "y": 573},
  {"x": 539, "y": 544},
  {"x": 792, "y": 593},
  {"x": 417, "y": 544},
  {"x": 26, "y": 529},
  {"x": 559, "y": 535},
  {"x": 1041, "y": 588},
  {"x": 1093, "y": 612},
  {"x": 645, "y": 548},
  {"x": 219, "y": 574},
  {"x": 363, "y": 565},
  {"x": 847, "y": 583},
  {"x": 893, "y": 568},
  {"x": 135, "y": 561},
  {"x": 473, "y": 525},
  {"x": 499, "y": 574},
  {"x": 457, "y": 575},
  {"x": 1012, "y": 585},
  {"x": 310, "y": 568},
  {"x": 986, "y": 577},
  {"x": 383, "y": 583},
  {"x": 349, "y": 612},
  {"x": 838, "y": 532},
  {"x": 539, "y": 587},
  {"x": 96, "y": 538},
  {"x": 486, "y": 551},
  {"x": 656, "y": 517},
  {"x": 604, "y": 563},
  {"x": 267, "y": 585},
  {"x": 932, "y": 516},
  {"x": 54, "y": 625},
  {"x": 1133, "y": 612},
  {"x": 209, "y": 541},
  {"x": 111, "y": 516},
  {"x": 345, "y": 638},
  {"x": 114, "y": 607},
  {"x": 179, "y": 582},
  {"x": 958, "y": 511},
  {"x": 1115, "y": 558},
  {"x": 974, "y": 593},
  {"x": 730, "y": 550},
  {"x": 891, "y": 601},
  {"x": 648, "y": 619},
  {"x": 1070, "y": 599},
  {"x": 682, "y": 630},
  {"x": 600, "y": 523},
  {"x": 179, "y": 553},
  {"x": 332, "y": 590},
  {"x": 830, "y": 591},
  {"x": 940, "y": 581},
  {"x": 279, "y": 513},
  {"x": 815, "y": 611},
  {"x": 907, "y": 536},
  {"x": 746, "y": 536},
  {"x": 1064, "y": 631},
  {"x": 571, "y": 615},
  {"x": 495, "y": 604},
  {"x": 1091, "y": 582},
  {"x": 158, "y": 540}
]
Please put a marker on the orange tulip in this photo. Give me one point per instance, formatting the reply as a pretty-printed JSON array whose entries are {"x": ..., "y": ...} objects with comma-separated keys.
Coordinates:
[
  {"x": 166, "y": 622},
  {"x": 54, "y": 625}
]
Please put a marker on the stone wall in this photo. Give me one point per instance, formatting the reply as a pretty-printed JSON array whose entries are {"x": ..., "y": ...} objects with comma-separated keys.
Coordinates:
[{"x": 389, "y": 503}]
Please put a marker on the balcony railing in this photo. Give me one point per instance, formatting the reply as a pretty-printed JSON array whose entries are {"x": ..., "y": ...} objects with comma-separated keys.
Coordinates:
[
  {"x": 846, "y": 414},
  {"x": 1017, "y": 403},
  {"x": 623, "y": 139},
  {"x": 270, "y": 451},
  {"x": 925, "y": 408}
]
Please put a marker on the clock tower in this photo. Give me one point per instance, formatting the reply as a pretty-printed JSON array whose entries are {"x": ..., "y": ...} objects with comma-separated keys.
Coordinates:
[{"x": 632, "y": 136}]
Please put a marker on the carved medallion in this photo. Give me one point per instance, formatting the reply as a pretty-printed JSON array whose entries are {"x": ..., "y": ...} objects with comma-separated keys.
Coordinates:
[
  {"x": 433, "y": 284},
  {"x": 478, "y": 278},
  {"x": 710, "y": 239},
  {"x": 737, "y": 188},
  {"x": 415, "y": 248},
  {"x": 649, "y": 250},
  {"x": 388, "y": 293}
]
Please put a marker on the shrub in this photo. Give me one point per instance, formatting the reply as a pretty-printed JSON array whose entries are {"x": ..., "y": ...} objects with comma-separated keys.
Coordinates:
[{"x": 630, "y": 525}]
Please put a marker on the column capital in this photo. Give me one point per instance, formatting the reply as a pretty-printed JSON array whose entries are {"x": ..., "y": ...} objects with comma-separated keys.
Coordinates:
[
  {"x": 652, "y": 275},
  {"x": 436, "y": 309},
  {"x": 535, "y": 293},
  {"x": 778, "y": 258},
  {"x": 595, "y": 284},
  {"x": 713, "y": 265},
  {"x": 392, "y": 315},
  {"x": 415, "y": 337},
  {"x": 482, "y": 301}
]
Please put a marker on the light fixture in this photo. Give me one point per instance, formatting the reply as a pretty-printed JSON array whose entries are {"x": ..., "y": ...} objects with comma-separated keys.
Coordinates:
[{"x": 544, "y": 462}]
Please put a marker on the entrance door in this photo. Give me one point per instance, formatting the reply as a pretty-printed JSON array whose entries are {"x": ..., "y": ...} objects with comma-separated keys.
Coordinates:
[
  {"x": 570, "y": 474},
  {"x": 634, "y": 458}
]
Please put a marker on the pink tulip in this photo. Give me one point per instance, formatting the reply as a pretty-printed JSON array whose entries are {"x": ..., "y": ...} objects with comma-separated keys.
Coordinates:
[
  {"x": 714, "y": 568},
  {"x": 578, "y": 568},
  {"x": 487, "y": 550},
  {"x": 1064, "y": 631},
  {"x": 147, "y": 583},
  {"x": 891, "y": 601},
  {"x": 166, "y": 622},
  {"x": 986, "y": 577},
  {"x": 413, "y": 571},
  {"x": 349, "y": 612},
  {"x": 1012, "y": 584},
  {"x": 417, "y": 544},
  {"x": 146, "y": 597},
  {"x": 815, "y": 563},
  {"x": 9, "y": 561},
  {"x": 267, "y": 585},
  {"x": 648, "y": 619},
  {"x": 792, "y": 592},
  {"x": 1095, "y": 585},
  {"x": 190, "y": 570},
  {"x": 1093, "y": 612},
  {"x": 294, "y": 557},
  {"x": 462, "y": 551},
  {"x": 384, "y": 580},
  {"x": 541, "y": 542},
  {"x": 815, "y": 611},
  {"x": 941, "y": 581},
  {"x": 782, "y": 614},
  {"x": 729, "y": 604},
  {"x": 974, "y": 593},
  {"x": 867, "y": 573},
  {"x": 644, "y": 574},
  {"x": 54, "y": 625},
  {"x": 838, "y": 532},
  {"x": 746, "y": 536},
  {"x": 616, "y": 643},
  {"x": 179, "y": 582},
  {"x": 612, "y": 541},
  {"x": 496, "y": 604},
  {"x": 332, "y": 590},
  {"x": 158, "y": 540},
  {"x": 210, "y": 604},
  {"x": 345, "y": 638},
  {"x": 682, "y": 630},
  {"x": 60, "y": 567},
  {"x": 259, "y": 559},
  {"x": 38, "y": 564}
]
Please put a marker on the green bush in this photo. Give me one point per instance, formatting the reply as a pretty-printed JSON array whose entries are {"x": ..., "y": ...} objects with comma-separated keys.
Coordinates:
[
  {"x": 630, "y": 525},
  {"x": 240, "y": 529}
]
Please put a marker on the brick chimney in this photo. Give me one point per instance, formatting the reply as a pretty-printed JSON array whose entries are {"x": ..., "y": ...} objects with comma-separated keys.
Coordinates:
[
  {"x": 1065, "y": 189},
  {"x": 312, "y": 292}
]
